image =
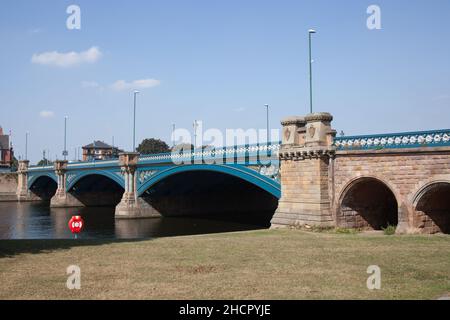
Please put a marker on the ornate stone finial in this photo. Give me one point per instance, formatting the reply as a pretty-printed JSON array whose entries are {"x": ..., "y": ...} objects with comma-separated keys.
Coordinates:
[
  {"x": 319, "y": 116},
  {"x": 293, "y": 130},
  {"x": 128, "y": 158},
  {"x": 23, "y": 165},
  {"x": 60, "y": 166},
  {"x": 318, "y": 129}
]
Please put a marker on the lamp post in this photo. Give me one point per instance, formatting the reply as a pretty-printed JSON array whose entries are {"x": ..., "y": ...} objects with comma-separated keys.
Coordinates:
[
  {"x": 310, "y": 32},
  {"x": 173, "y": 134},
  {"x": 267, "y": 122},
  {"x": 65, "y": 153},
  {"x": 195, "y": 133},
  {"x": 134, "y": 120},
  {"x": 26, "y": 145}
]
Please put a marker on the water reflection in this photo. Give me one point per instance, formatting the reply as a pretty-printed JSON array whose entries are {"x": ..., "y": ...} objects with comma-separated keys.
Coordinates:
[{"x": 38, "y": 221}]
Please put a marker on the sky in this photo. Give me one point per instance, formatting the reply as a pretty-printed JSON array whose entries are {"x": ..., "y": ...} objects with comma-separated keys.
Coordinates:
[{"x": 217, "y": 61}]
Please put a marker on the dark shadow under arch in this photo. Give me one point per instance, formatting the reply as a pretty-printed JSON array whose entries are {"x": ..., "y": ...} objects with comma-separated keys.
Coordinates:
[
  {"x": 44, "y": 187},
  {"x": 213, "y": 195},
  {"x": 368, "y": 204},
  {"x": 433, "y": 208},
  {"x": 96, "y": 190}
]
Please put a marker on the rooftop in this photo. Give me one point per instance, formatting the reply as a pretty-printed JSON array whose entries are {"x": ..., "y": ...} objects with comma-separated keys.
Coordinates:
[{"x": 98, "y": 145}]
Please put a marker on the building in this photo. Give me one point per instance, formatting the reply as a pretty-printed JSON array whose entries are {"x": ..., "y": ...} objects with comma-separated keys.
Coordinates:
[
  {"x": 98, "y": 150},
  {"x": 6, "y": 152}
]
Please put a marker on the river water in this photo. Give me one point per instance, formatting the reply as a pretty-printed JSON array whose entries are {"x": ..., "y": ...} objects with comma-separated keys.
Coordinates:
[{"x": 34, "y": 220}]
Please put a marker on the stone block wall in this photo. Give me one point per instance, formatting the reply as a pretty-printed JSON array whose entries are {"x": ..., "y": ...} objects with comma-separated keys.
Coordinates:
[{"x": 406, "y": 172}]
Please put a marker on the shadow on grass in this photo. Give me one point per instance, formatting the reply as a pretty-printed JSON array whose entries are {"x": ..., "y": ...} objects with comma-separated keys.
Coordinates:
[{"x": 11, "y": 248}]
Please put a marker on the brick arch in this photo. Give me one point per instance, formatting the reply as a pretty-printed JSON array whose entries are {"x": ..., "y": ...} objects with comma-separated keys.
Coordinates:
[
  {"x": 431, "y": 206},
  {"x": 422, "y": 187},
  {"x": 361, "y": 213},
  {"x": 357, "y": 178}
]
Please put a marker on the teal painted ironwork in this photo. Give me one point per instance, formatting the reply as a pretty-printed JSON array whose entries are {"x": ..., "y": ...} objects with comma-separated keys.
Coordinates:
[
  {"x": 432, "y": 138},
  {"x": 257, "y": 164}
]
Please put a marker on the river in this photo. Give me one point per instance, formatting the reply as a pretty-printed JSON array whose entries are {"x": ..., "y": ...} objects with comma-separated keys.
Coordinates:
[{"x": 35, "y": 220}]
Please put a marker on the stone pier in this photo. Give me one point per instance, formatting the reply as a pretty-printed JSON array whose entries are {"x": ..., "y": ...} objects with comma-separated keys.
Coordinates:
[
  {"x": 22, "y": 181},
  {"x": 132, "y": 206},
  {"x": 304, "y": 160},
  {"x": 62, "y": 198}
]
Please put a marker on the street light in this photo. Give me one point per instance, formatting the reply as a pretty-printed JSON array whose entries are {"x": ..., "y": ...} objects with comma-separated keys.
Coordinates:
[
  {"x": 173, "y": 134},
  {"x": 310, "y": 32},
  {"x": 195, "y": 133},
  {"x": 267, "y": 121},
  {"x": 134, "y": 121},
  {"x": 65, "y": 153},
  {"x": 26, "y": 145}
]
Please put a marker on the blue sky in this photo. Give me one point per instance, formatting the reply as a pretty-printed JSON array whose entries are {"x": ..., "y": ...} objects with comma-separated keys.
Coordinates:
[{"x": 219, "y": 61}]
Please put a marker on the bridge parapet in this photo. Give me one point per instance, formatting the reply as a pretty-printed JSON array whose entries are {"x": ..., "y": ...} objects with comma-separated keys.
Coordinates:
[{"x": 419, "y": 139}]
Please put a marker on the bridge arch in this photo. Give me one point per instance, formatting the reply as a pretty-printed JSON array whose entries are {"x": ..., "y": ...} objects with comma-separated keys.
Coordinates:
[
  {"x": 43, "y": 186},
  {"x": 431, "y": 205},
  {"x": 33, "y": 178},
  {"x": 241, "y": 172},
  {"x": 215, "y": 192},
  {"x": 368, "y": 202},
  {"x": 96, "y": 188},
  {"x": 80, "y": 175}
]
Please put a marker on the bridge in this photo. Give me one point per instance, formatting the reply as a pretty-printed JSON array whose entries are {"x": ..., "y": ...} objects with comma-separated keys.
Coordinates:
[
  {"x": 167, "y": 183},
  {"x": 310, "y": 178}
]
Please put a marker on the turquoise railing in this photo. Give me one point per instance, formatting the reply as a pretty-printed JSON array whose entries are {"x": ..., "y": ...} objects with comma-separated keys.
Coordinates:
[{"x": 433, "y": 138}]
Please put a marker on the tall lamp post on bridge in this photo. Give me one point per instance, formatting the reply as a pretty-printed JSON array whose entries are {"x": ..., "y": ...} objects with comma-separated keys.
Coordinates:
[
  {"x": 26, "y": 145},
  {"x": 65, "y": 153},
  {"x": 195, "y": 125},
  {"x": 173, "y": 134},
  {"x": 267, "y": 122},
  {"x": 134, "y": 120},
  {"x": 310, "y": 32}
]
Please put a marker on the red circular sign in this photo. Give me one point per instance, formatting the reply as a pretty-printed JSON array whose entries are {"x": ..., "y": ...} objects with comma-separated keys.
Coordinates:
[{"x": 76, "y": 224}]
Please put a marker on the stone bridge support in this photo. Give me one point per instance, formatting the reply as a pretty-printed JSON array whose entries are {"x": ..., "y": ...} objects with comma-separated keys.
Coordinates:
[
  {"x": 62, "y": 198},
  {"x": 22, "y": 181},
  {"x": 132, "y": 206},
  {"x": 304, "y": 160}
]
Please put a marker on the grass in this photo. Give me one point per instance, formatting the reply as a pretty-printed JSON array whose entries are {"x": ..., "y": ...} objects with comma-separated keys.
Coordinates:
[
  {"x": 264, "y": 264},
  {"x": 389, "y": 230}
]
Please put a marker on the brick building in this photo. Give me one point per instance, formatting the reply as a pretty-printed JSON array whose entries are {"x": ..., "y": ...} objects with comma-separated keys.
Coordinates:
[
  {"x": 98, "y": 150},
  {"x": 6, "y": 152}
]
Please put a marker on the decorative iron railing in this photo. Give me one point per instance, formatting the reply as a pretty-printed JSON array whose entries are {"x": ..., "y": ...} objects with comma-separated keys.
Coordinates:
[
  {"x": 232, "y": 152},
  {"x": 434, "y": 138},
  {"x": 243, "y": 151}
]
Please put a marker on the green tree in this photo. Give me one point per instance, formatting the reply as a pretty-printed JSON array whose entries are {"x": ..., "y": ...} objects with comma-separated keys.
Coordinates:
[
  {"x": 148, "y": 146},
  {"x": 44, "y": 162},
  {"x": 183, "y": 147}
]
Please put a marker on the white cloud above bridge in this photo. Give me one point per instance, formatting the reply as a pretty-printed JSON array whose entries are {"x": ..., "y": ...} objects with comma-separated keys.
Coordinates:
[
  {"x": 67, "y": 59},
  {"x": 46, "y": 114},
  {"x": 120, "y": 85}
]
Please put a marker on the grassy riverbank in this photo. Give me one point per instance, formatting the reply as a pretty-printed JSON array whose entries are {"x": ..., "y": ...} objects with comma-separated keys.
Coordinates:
[{"x": 266, "y": 264}]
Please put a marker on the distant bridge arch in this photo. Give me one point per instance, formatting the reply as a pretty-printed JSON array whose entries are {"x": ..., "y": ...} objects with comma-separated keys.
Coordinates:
[{"x": 74, "y": 178}]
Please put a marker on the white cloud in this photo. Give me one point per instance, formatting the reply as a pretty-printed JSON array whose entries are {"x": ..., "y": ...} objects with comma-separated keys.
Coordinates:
[
  {"x": 240, "y": 109},
  {"x": 35, "y": 30},
  {"x": 136, "y": 84},
  {"x": 46, "y": 114},
  {"x": 68, "y": 59},
  {"x": 89, "y": 84}
]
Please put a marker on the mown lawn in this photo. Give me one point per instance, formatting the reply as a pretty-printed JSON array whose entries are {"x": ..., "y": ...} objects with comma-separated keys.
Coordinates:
[{"x": 265, "y": 264}]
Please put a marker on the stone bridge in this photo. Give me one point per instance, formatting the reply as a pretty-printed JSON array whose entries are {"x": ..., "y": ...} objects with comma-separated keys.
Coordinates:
[{"x": 311, "y": 178}]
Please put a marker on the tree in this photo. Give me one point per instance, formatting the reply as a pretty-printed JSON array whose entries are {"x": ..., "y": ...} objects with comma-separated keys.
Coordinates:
[
  {"x": 149, "y": 146},
  {"x": 44, "y": 162},
  {"x": 183, "y": 148}
]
